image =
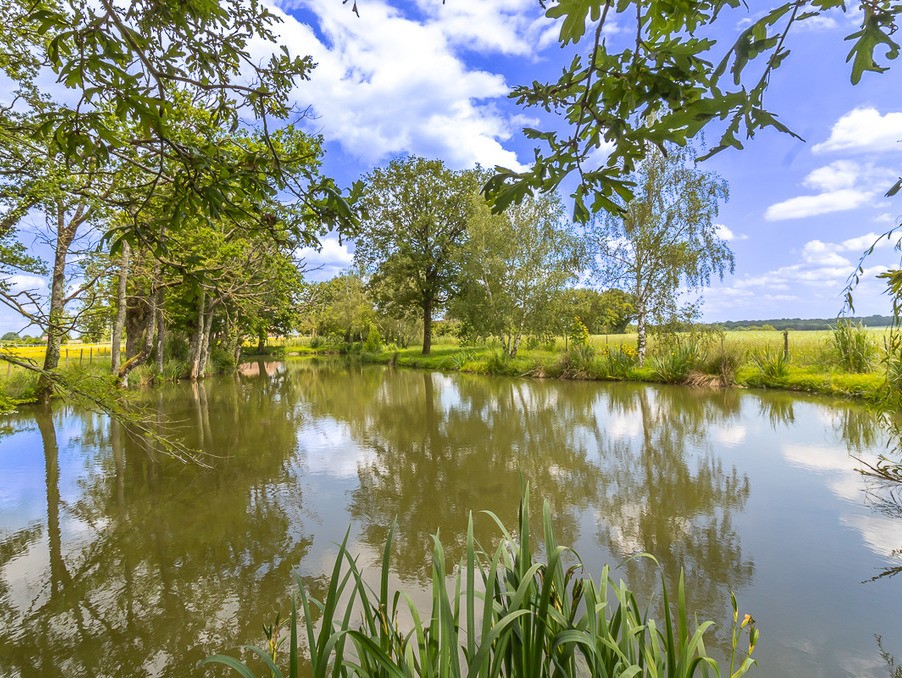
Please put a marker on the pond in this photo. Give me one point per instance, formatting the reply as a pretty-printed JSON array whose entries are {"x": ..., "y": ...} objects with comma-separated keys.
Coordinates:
[{"x": 118, "y": 560}]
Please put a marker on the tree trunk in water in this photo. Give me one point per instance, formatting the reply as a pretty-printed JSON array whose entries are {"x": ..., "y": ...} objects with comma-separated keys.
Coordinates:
[
  {"x": 55, "y": 326},
  {"x": 427, "y": 326},
  {"x": 640, "y": 339},
  {"x": 122, "y": 300}
]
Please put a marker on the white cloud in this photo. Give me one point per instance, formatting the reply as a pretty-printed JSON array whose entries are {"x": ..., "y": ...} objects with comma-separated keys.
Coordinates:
[
  {"x": 20, "y": 282},
  {"x": 813, "y": 205},
  {"x": 330, "y": 260},
  {"x": 387, "y": 84},
  {"x": 843, "y": 185},
  {"x": 725, "y": 233},
  {"x": 864, "y": 130}
]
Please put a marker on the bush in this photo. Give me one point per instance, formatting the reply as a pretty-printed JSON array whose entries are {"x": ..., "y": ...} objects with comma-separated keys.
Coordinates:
[
  {"x": 674, "y": 365},
  {"x": 617, "y": 362},
  {"x": 723, "y": 363},
  {"x": 507, "y": 613},
  {"x": 853, "y": 346},
  {"x": 373, "y": 341},
  {"x": 578, "y": 362},
  {"x": 772, "y": 363}
]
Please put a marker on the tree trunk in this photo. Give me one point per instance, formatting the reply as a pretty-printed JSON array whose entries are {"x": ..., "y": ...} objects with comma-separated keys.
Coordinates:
[
  {"x": 55, "y": 326},
  {"x": 427, "y": 325},
  {"x": 149, "y": 331},
  {"x": 122, "y": 301},
  {"x": 150, "y": 312},
  {"x": 161, "y": 333},
  {"x": 205, "y": 340},
  {"x": 194, "y": 348},
  {"x": 640, "y": 338}
]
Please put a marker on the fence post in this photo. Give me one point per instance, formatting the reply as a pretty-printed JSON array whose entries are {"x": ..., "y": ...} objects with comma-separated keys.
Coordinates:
[
  {"x": 67, "y": 356},
  {"x": 785, "y": 344},
  {"x": 91, "y": 356},
  {"x": 81, "y": 356}
]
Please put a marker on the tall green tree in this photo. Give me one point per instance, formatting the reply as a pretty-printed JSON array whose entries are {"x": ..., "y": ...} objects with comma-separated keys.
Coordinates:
[
  {"x": 513, "y": 267},
  {"x": 415, "y": 220},
  {"x": 665, "y": 240}
]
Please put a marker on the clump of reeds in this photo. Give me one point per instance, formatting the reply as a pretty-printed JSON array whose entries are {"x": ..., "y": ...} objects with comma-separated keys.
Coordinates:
[
  {"x": 854, "y": 348},
  {"x": 506, "y": 613}
]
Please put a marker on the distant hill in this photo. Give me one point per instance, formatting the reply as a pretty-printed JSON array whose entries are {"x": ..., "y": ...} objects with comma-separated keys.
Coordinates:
[{"x": 800, "y": 323}]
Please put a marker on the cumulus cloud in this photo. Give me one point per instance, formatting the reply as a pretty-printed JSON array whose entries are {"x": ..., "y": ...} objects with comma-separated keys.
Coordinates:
[
  {"x": 864, "y": 130},
  {"x": 842, "y": 185},
  {"x": 391, "y": 83}
]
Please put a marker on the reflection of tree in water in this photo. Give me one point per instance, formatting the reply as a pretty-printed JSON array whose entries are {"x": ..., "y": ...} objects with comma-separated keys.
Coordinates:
[
  {"x": 778, "y": 409},
  {"x": 667, "y": 494},
  {"x": 446, "y": 445},
  {"x": 171, "y": 562}
]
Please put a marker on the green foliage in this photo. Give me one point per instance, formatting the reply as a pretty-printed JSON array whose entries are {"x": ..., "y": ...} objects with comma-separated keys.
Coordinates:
[
  {"x": 416, "y": 213},
  {"x": 514, "y": 266},
  {"x": 662, "y": 82},
  {"x": 578, "y": 332},
  {"x": 618, "y": 361},
  {"x": 506, "y": 613},
  {"x": 855, "y": 350},
  {"x": 724, "y": 361},
  {"x": 772, "y": 363},
  {"x": 373, "y": 341},
  {"x": 673, "y": 365}
]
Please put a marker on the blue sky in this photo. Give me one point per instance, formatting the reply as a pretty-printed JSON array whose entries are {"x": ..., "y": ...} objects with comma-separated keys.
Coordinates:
[{"x": 432, "y": 79}]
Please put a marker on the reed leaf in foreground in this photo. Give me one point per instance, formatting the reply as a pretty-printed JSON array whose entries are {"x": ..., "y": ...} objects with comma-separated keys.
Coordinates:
[{"x": 504, "y": 613}]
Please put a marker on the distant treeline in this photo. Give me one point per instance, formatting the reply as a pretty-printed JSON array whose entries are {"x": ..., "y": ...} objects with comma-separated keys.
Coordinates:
[{"x": 800, "y": 324}]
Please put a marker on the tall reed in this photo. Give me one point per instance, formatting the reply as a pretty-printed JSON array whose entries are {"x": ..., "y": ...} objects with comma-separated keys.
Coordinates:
[{"x": 506, "y": 613}]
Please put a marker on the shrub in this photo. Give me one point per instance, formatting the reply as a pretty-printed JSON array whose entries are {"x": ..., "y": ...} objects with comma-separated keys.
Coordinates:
[
  {"x": 578, "y": 362},
  {"x": 373, "y": 341},
  {"x": 617, "y": 362},
  {"x": 772, "y": 363},
  {"x": 853, "y": 346},
  {"x": 674, "y": 365},
  {"x": 506, "y": 613},
  {"x": 723, "y": 363}
]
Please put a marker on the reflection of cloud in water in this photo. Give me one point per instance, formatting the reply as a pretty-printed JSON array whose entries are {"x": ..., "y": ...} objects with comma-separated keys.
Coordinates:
[
  {"x": 623, "y": 427},
  {"x": 881, "y": 534},
  {"x": 332, "y": 451},
  {"x": 729, "y": 436}
]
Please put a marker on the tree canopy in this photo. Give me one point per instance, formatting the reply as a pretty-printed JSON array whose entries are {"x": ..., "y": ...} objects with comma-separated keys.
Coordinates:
[{"x": 416, "y": 213}]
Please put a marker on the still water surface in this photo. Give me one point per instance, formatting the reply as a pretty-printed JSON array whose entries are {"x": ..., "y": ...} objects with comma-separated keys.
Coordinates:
[{"x": 114, "y": 562}]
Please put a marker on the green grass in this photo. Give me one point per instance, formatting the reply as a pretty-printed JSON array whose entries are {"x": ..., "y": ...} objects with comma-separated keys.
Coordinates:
[
  {"x": 505, "y": 612},
  {"x": 745, "y": 358}
]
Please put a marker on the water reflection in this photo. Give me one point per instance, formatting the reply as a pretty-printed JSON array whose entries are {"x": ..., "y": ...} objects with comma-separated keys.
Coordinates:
[
  {"x": 153, "y": 564},
  {"x": 116, "y": 561}
]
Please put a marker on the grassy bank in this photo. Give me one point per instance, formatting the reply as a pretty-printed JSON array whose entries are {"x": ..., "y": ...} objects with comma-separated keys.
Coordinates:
[{"x": 755, "y": 359}]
